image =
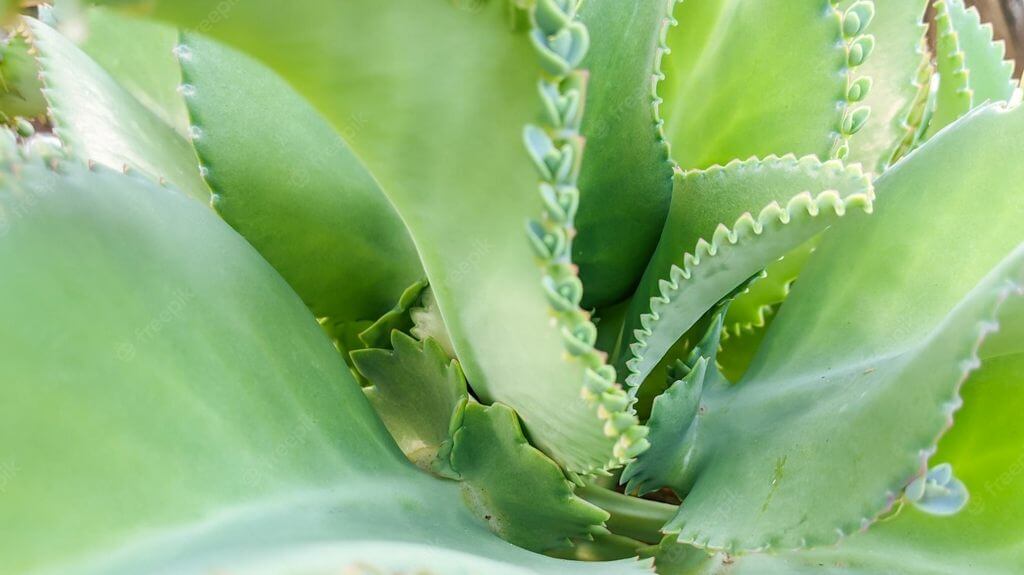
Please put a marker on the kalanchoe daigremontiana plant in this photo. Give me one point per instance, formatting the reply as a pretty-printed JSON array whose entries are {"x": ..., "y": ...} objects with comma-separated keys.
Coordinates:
[{"x": 501, "y": 286}]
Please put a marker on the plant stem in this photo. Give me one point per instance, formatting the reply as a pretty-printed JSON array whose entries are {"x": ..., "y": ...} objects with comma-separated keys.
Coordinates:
[{"x": 639, "y": 519}]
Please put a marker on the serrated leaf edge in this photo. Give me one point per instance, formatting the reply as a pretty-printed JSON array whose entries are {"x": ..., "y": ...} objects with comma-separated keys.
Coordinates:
[
  {"x": 746, "y": 228},
  {"x": 556, "y": 150}
]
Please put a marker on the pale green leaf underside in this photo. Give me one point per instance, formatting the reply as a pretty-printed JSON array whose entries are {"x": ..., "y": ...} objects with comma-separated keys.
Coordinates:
[
  {"x": 626, "y": 179},
  {"x": 98, "y": 120},
  {"x": 257, "y": 452},
  {"x": 190, "y": 377},
  {"x": 286, "y": 181},
  {"x": 468, "y": 224},
  {"x": 893, "y": 68},
  {"x": 720, "y": 101},
  {"x": 869, "y": 350},
  {"x": 772, "y": 206}
]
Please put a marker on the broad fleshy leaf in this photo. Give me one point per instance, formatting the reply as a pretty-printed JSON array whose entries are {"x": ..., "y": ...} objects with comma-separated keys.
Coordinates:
[
  {"x": 869, "y": 350},
  {"x": 520, "y": 492},
  {"x": 718, "y": 107},
  {"x": 468, "y": 224},
  {"x": 894, "y": 82},
  {"x": 289, "y": 183},
  {"x": 626, "y": 180},
  {"x": 984, "y": 448},
  {"x": 140, "y": 55},
  {"x": 197, "y": 418}
]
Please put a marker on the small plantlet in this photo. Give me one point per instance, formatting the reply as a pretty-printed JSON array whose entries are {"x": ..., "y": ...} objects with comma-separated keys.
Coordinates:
[{"x": 510, "y": 287}]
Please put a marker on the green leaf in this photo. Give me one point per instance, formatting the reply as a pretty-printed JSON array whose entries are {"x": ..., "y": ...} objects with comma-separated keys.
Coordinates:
[
  {"x": 777, "y": 204},
  {"x": 466, "y": 217},
  {"x": 720, "y": 101},
  {"x": 139, "y": 55},
  {"x": 984, "y": 448},
  {"x": 165, "y": 384},
  {"x": 870, "y": 349},
  {"x": 98, "y": 120},
  {"x": 675, "y": 420},
  {"x": 626, "y": 179},
  {"x": 990, "y": 76},
  {"x": 291, "y": 186},
  {"x": 399, "y": 317},
  {"x": 893, "y": 80},
  {"x": 428, "y": 323},
  {"x": 415, "y": 389},
  {"x": 971, "y": 67},
  {"x": 168, "y": 405},
  {"x": 747, "y": 311},
  {"x": 519, "y": 491},
  {"x": 20, "y": 91}
]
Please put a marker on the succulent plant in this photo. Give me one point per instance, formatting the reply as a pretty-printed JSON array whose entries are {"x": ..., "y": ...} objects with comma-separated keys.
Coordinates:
[{"x": 510, "y": 287}]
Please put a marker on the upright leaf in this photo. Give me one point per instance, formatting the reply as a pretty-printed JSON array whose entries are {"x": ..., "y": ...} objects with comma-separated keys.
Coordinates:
[
  {"x": 626, "y": 180},
  {"x": 291, "y": 185},
  {"x": 721, "y": 103}
]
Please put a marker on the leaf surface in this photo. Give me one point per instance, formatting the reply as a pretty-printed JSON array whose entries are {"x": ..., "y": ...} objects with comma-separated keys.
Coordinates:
[
  {"x": 719, "y": 106},
  {"x": 98, "y": 120},
  {"x": 772, "y": 205},
  {"x": 870, "y": 349},
  {"x": 171, "y": 405},
  {"x": 292, "y": 186},
  {"x": 893, "y": 70},
  {"x": 626, "y": 180}
]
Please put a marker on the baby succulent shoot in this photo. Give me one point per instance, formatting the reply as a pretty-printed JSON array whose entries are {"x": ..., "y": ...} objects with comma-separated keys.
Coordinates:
[{"x": 523, "y": 287}]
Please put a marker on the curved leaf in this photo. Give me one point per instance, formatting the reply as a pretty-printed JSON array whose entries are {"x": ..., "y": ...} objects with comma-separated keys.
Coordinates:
[
  {"x": 971, "y": 67},
  {"x": 674, "y": 421},
  {"x": 984, "y": 447},
  {"x": 626, "y": 180},
  {"x": 415, "y": 389},
  {"x": 466, "y": 223},
  {"x": 990, "y": 76},
  {"x": 777, "y": 204},
  {"x": 122, "y": 280},
  {"x": 291, "y": 186},
  {"x": 257, "y": 452},
  {"x": 878, "y": 361}
]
